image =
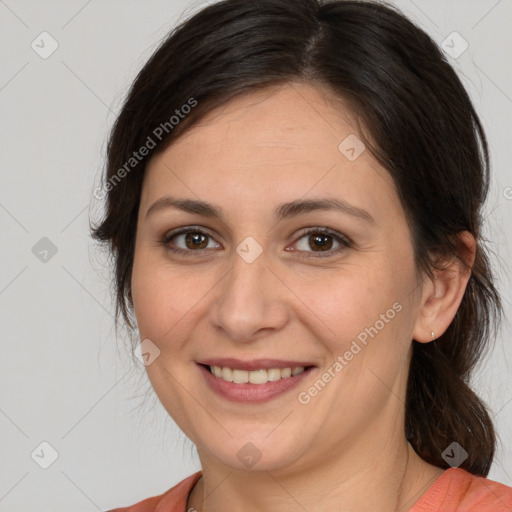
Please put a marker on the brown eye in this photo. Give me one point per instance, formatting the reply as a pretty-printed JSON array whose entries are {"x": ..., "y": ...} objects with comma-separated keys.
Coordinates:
[
  {"x": 189, "y": 240},
  {"x": 321, "y": 242},
  {"x": 318, "y": 242},
  {"x": 196, "y": 240}
]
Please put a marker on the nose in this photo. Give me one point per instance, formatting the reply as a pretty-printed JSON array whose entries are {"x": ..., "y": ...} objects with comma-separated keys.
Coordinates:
[{"x": 251, "y": 302}]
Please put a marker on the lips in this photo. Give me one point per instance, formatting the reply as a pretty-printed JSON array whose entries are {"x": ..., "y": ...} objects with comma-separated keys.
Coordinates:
[
  {"x": 254, "y": 364},
  {"x": 252, "y": 393}
]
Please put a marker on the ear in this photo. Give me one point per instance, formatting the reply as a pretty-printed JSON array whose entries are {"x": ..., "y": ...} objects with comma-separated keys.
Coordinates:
[{"x": 442, "y": 296}]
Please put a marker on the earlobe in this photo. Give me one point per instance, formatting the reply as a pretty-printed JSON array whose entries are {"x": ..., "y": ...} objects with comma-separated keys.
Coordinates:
[{"x": 444, "y": 293}]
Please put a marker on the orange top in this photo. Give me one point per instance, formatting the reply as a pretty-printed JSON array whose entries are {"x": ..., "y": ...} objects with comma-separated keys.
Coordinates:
[{"x": 455, "y": 490}]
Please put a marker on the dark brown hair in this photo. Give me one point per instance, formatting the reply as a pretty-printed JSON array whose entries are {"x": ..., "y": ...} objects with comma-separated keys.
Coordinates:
[{"x": 423, "y": 129}]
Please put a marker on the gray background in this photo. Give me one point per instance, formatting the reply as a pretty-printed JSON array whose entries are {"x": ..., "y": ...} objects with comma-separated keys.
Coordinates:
[{"x": 65, "y": 380}]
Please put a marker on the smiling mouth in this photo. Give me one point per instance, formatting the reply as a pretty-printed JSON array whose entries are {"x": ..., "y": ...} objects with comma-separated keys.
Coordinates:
[{"x": 260, "y": 376}]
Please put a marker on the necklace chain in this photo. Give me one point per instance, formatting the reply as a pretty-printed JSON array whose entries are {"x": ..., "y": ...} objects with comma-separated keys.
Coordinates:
[{"x": 400, "y": 489}]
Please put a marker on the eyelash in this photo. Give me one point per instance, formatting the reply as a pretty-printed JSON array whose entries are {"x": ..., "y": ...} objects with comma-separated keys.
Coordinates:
[{"x": 345, "y": 242}]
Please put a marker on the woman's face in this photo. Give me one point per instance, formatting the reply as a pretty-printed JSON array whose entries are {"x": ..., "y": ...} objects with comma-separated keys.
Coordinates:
[{"x": 255, "y": 285}]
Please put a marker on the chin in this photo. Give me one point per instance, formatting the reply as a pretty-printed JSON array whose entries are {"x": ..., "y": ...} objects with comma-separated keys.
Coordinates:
[{"x": 249, "y": 454}]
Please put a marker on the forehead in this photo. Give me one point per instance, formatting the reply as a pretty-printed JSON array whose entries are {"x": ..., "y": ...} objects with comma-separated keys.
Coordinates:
[
  {"x": 282, "y": 141},
  {"x": 293, "y": 115}
]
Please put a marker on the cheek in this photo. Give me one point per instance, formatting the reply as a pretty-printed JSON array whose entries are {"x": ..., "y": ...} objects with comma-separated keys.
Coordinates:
[
  {"x": 166, "y": 298},
  {"x": 349, "y": 299},
  {"x": 371, "y": 340},
  {"x": 154, "y": 292},
  {"x": 364, "y": 310}
]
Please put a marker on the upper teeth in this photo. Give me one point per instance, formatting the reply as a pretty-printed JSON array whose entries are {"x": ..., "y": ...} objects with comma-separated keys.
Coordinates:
[{"x": 254, "y": 377}]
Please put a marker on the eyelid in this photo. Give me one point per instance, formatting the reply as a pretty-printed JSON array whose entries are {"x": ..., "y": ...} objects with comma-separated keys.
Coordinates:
[
  {"x": 166, "y": 239},
  {"x": 344, "y": 241}
]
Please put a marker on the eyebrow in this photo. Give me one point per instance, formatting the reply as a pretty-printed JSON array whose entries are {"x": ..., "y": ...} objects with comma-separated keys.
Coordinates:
[{"x": 282, "y": 211}]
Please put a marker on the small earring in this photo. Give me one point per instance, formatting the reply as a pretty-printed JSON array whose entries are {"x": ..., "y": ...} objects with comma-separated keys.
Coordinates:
[{"x": 433, "y": 335}]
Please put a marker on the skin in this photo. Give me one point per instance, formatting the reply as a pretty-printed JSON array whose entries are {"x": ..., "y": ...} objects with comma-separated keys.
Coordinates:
[{"x": 346, "y": 448}]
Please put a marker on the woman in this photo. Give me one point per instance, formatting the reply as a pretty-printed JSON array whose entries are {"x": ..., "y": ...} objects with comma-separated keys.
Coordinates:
[{"x": 294, "y": 195}]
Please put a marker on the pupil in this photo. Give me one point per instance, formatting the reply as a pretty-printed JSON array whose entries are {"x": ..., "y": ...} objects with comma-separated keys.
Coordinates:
[
  {"x": 320, "y": 240},
  {"x": 192, "y": 238}
]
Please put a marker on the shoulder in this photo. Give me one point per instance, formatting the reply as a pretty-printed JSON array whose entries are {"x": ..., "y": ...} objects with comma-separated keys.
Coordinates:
[
  {"x": 457, "y": 490},
  {"x": 173, "y": 500}
]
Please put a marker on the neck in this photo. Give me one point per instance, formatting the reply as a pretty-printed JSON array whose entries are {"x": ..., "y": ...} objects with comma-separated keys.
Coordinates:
[{"x": 374, "y": 476}]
